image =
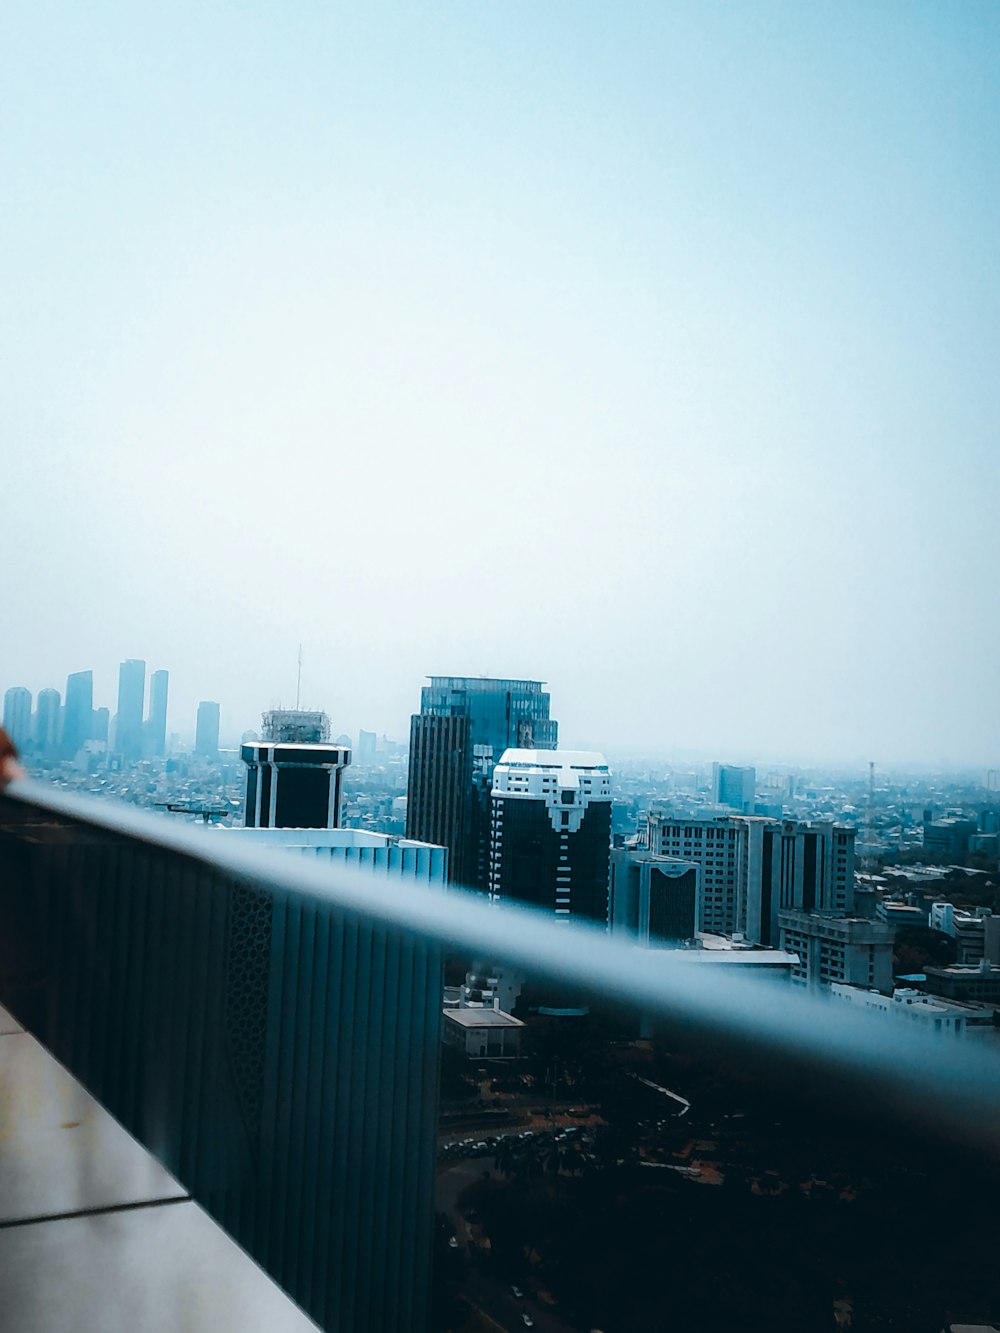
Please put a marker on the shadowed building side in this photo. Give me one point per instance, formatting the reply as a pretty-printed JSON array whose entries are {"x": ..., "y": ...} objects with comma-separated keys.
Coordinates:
[{"x": 439, "y": 791}]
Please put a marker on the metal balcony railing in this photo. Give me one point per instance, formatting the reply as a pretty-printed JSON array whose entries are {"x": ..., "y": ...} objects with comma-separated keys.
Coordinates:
[{"x": 270, "y": 1030}]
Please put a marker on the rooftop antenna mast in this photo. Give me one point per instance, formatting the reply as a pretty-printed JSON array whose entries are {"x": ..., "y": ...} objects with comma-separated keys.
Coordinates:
[{"x": 298, "y": 684}]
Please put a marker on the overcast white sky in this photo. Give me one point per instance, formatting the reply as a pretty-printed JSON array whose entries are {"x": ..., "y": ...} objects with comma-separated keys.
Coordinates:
[{"x": 649, "y": 349}]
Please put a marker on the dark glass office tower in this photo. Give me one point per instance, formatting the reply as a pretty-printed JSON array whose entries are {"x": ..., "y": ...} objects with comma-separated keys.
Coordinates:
[
  {"x": 464, "y": 725},
  {"x": 293, "y": 775},
  {"x": 131, "y": 696},
  {"x": 78, "y": 718},
  {"x": 550, "y": 833},
  {"x": 156, "y": 723}
]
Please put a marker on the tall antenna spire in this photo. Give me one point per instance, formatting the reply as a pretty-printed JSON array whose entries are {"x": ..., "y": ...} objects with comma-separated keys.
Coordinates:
[{"x": 298, "y": 685}]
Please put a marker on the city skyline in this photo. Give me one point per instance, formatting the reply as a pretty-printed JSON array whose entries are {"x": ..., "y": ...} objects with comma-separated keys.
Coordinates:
[
  {"x": 648, "y": 350},
  {"x": 234, "y": 723}
]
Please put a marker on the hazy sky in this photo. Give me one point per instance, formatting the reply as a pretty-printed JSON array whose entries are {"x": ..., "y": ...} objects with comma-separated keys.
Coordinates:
[{"x": 649, "y": 349}]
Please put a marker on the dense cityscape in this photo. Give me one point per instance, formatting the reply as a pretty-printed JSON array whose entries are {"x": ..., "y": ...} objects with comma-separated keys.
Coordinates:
[
  {"x": 637, "y": 364},
  {"x": 877, "y": 890}
]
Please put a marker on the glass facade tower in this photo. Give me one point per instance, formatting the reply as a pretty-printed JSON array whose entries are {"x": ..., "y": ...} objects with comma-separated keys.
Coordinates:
[
  {"x": 131, "y": 695},
  {"x": 78, "y": 719},
  {"x": 464, "y": 725},
  {"x": 156, "y": 723}
]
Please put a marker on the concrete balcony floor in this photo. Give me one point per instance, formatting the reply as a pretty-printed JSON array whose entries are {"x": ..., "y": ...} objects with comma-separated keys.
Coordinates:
[{"x": 95, "y": 1235}]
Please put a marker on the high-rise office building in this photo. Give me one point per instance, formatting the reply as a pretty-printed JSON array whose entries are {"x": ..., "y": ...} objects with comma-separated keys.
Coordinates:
[
  {"x": 78, "y": 719},
  {"x": 100, "y": 725},
  {"x": 206, "y": 736},
  {"x": 48, "y": 707},
  {"x": 156, "y": 722},
  {"x": 751, "y": 869},
  {"x": 294, "y": 774},
  {"x": 550, "y": 831},
  {"x": 464, "y": 725},
  {"x": 735, "y": 787},
  {"x": 367, "y": 742},
  {"x": 652, "y": 899},
  {"x": 795, "y": 866},
  {"x": 17, "y": 715},
  {"x": 131, "y": 696},
  {"x": 718, "y": 847}
]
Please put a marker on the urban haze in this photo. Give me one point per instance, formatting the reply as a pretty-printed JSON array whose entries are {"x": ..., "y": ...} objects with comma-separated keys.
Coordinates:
[
  {"x": 499, "y": 507},
  {"x": 649, "y": 350}
]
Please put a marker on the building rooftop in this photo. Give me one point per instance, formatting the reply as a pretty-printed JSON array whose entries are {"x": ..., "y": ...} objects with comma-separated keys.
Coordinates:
[
  {"x": 482, "y": 1018},
  {"x": 737, "y": 957},
  {"x": 554, "y": 759},
  {"x": 480, "y": 682}
]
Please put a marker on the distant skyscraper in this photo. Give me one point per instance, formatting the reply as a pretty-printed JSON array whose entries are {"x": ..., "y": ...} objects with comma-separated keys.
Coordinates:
[
  {"x": 78, "y": 716},
  {"x": 17, "y": 715},
  {"x": 131, "y": 696},
  {"x": 735, "y": 787},
  {"x": 206, "y": 737},
  {"x": 550, "y": 834},
  {"x": 293, "y": 774},
  {"x": 156, "y": 723},
  {"x": 47, "y": 711},
  {"x": 464, "y": 725},
  {"x": 367, "y": 742},
  {"x": 100, "y": 725}
]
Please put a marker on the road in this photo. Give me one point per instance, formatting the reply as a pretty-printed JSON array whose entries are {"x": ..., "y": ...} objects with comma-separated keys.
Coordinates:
[{"x": 493, "y": 1297}]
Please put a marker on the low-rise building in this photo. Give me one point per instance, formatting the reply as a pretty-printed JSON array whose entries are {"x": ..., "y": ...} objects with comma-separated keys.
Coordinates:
[
  {"x": 834, "y": 948},
  {"x": 483, "y": 1032},
  {"x": 967, "y": 929},
  {"x": 948, "y": 837},
  {"x": 735, "y": 952},
  {"x": 900, "y": 914},
  {"x": 931, "y": 1012},
  {"x": 979, "y": 983}
]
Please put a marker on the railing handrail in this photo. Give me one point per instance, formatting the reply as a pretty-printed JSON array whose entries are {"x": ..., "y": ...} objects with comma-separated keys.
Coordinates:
[{"x": 926, "y": 1079}]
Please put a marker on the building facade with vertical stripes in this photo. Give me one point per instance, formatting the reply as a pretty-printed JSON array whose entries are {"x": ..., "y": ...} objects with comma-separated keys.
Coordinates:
[{"x": 550, "y": 832}]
